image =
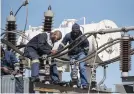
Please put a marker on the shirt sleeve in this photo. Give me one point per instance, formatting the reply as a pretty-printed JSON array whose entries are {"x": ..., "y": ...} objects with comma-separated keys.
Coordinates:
[
  {"x": 85, "y": 45},
  {"x": 64, "y": 42},
  {"x": 13, "y": 58}
]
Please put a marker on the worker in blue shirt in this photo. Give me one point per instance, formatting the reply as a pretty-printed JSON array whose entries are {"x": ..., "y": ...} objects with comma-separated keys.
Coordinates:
[
  {"x": 79, "y": 52},
  {"x": 8, "y": 60},
  {"x": 39, "y": 45}
]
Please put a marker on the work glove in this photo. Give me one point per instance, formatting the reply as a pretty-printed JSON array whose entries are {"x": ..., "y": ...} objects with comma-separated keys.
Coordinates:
[{"x": 86, "y": 50}]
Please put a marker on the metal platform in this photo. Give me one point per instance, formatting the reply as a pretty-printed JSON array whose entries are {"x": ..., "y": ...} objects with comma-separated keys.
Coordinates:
[
  {"x": 127, "y": 85},
  {"x": 40, "y": 87}
]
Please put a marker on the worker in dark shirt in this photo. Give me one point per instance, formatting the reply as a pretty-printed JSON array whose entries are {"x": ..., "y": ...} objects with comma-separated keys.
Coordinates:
[
  {"x": 79, "y": 52},
  {"x": 8, "y": 60},
  {"x": 39, "y": 45}
]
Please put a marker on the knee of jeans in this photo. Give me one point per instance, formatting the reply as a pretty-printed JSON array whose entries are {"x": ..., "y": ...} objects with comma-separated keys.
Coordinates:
[{"x": 82, "y": 66}]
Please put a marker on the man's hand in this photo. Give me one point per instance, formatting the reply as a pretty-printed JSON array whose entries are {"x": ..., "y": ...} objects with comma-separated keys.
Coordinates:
[
  {"x": 15, "y": 72},
  {"x": 5, "y": 69},
  {"x": 53, "y": 52}
]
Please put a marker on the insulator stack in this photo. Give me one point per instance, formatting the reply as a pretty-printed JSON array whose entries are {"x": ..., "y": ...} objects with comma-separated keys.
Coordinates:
[
  {"x": 10, "y": 26},
  {"x": 48, "y": 20},
  {"x": 125, "y": 56}
]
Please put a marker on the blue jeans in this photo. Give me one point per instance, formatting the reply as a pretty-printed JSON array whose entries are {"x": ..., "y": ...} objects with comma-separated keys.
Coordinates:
[
  {"x": 83, "y": 75},
  {"x": 54, "y": 73}
]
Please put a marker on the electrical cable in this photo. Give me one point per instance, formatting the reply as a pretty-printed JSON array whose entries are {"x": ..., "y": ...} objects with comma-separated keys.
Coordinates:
[
  {"x": 113, "y": 59},
  {"x": 68, "y": 45},
  {"x": 26, "y": 18},
  {"x": 81, "y": 60},
  {"x": 12, "y": 46},
  {"x": 18, "y": 9},
  {"x": 71, "y": 48},
  {"x": 85, "y": 59},
  {"x": 24, "y": 4},
  {"x": 16, "y": 32},
  {"x": 98, "y": 32}
]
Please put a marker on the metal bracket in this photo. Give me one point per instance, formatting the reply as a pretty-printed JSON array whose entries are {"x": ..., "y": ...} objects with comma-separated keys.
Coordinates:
[
  {"x": 44, "y": 58},
  {"x": 93, "y": 80},
  {"x": 46, "y": 68},
  {"x": 74, "y": 72},
  {"x": 49, "y": 60},
  {"x": 103, "y": 79},
  {"x": 128, "y": 79}
]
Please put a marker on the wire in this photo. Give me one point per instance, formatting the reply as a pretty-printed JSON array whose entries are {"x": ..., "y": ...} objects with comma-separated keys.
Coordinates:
[
  {"x": 16, "y": 32},
  {"x": 26, "y": 18},
  {"x": 99, "y": 51},
  {"x": 84, "y": 59},
  {"x": 24, "y": 4},
  {"x": 18, "y": 10},
  {"x": 71, "y": 48},
  {"x": 114, "y": 59},
  {"x": 69, "y": 44},
  {"x": 12, "y": 46},
  {"x": 25, "y": 22},
  {"x": 98, "y": 32}
]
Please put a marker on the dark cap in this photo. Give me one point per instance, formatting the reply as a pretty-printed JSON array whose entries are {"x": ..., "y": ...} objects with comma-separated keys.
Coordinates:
[{"x": 75, "y": 27}]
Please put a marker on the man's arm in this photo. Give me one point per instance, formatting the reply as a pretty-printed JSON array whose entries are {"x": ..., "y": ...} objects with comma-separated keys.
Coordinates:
[
  {"x": 85, "y": 45},
  {"x": 13, "y": 58},
  {"x": 42, "y": 41},
  {"x": 64, "y": 42}
]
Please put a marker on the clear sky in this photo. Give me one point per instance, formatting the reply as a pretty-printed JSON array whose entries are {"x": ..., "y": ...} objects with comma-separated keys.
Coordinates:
[{"x": 119, "y": 11}]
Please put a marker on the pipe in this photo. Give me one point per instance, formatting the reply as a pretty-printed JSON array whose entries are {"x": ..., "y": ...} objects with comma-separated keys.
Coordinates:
[{"x": 122, "y": 29}]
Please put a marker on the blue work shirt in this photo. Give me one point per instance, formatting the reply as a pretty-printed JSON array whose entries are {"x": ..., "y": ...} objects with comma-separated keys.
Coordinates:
[{"x": 8, "y": 60}]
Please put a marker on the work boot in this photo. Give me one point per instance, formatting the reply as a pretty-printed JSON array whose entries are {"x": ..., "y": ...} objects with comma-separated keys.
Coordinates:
[
  {"x": 57, "y": 82},
  {"x": 35, "y": 79},
  {"x": 85, "y": 86}
]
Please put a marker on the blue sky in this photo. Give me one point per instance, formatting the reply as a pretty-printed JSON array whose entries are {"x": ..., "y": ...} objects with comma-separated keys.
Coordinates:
[{"x": 119, "y": 11}]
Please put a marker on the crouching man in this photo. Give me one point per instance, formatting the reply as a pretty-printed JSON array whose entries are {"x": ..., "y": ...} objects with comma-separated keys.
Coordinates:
[{"x": 39, "y": 45}]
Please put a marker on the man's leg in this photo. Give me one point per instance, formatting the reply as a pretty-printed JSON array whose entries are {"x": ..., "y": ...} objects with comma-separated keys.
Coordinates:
[
  {"x": 83, "y": 75},
  {"x": 35, "y": 68},
  {"x": 72, "y": 58},
  {"x": 31, "y": 53},
  {"x": 54, "y": 74}
]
